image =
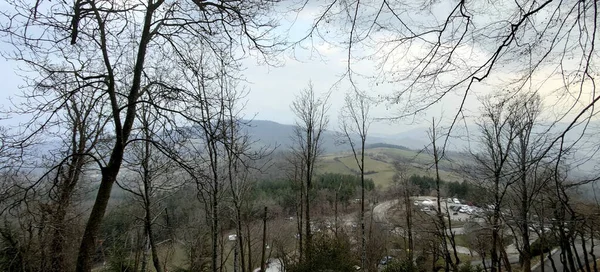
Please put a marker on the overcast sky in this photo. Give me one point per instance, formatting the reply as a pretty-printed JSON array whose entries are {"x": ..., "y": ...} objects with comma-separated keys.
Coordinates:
[{"x": 272, "y": 89}]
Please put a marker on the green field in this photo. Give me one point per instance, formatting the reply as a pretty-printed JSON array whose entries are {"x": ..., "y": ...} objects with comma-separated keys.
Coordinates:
[{"x": 381, "y": 162}]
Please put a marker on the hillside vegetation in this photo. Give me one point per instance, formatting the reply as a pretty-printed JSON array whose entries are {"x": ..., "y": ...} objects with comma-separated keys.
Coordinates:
[{"x": 379, "y": 164}]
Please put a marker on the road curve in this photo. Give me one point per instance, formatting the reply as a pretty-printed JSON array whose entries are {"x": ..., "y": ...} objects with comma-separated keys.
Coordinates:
[{"x": 380, "y": 211}]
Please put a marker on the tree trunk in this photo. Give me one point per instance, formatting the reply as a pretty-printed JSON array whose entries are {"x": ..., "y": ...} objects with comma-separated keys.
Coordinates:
[
  {"x": 452, "y": 239},
  {"x": 335, "y": 212},
  {"x": 136, "y": 259},
  {"x": 88, "y": 243},
  {"x": 145, "y": 254},
  {"x": 122, "y": 131},
  {"x": 363, "y": 258},
  {"x": 153, "y": 249},
  {"x": 525, "y": 253},
  {"x": 523, "y": 138},
  {"x": 236, "y": 255},
  {"x": 249, "y": 242},
  {"x": 552, "y": 262},
  {"x": 494, "y": 253},
  {"x": 221, "y": 249},
  {"x": 586, "y": 260},
  {"x": 148, "y": 203},
  {"x": 570, "y": 258},
  {"x": 215, "y": 227},
  {"x": 483, "y": 262},
  {"x": 408, "y": 208},
  {"x": 504, "y": 255},
  {"x": 57, "y": 245},
  {"x": 300, "y": 222},
  {"x": 240, "y": 241},
  {"x": 264, "y": 243},
  {"x": 307, "y": 218},
  {"x": 309, "y": 167},
  {"x": 579, "y": 264},
  {"x": 595, "y": 263},
  {"x": 441, "y": 225},
  {"x": 495, "y": 237}
]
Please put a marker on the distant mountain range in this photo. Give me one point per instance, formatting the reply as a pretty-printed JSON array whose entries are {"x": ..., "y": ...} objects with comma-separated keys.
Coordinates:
[
  {"x": 269, "y": 133},
  {"x": 273, "y": 134}
]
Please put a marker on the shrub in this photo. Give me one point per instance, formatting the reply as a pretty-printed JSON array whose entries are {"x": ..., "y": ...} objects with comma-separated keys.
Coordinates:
[
  {"x": 329, "y": 254},
  {"x": 120, "y": 265},
  {"x": 467, "y": 267},
  {"x": 537, "y": 247},
  {"x": 399, "y": 266}
]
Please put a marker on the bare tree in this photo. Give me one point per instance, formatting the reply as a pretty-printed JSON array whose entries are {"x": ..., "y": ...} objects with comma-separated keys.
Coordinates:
[
  {"x": 454, "y": 48},
  {"x": 312, "y": 121},
  {"x": 218, "y": 147},
  {"x": 443, "y": 231},
  {"x": 355, "y": 122},
  {"x": 528, "y": 166},
  {"x": 497, "y": 141},
  {"x": 148, "y": 177},
  {"x": 238, "y": 168},
  {"x": 296, "y": 175},
  {"x": 241, "y": 159},
  {"x": 85, "y": 131},
  {"x": 121, "y": 42},
  {"x": 77, "y": 126},
  {"x": 405, "y": 191},
  {"x": 206, "y": 82},
  {"x": 566, "y": 219}
]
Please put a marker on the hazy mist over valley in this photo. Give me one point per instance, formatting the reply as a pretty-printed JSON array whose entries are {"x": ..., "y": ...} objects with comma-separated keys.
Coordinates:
[{"x": 299, "y": 136}]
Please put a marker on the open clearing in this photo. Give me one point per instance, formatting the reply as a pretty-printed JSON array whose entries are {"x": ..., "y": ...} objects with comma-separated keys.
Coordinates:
[{"x": 379, "y": 164}]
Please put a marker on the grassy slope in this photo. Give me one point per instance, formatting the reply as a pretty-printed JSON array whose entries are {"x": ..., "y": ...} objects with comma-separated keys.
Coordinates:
[{"x": 381, "y": 160}]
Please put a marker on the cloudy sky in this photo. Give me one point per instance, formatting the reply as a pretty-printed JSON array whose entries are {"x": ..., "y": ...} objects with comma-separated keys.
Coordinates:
[{"x": 272, "y": 89}]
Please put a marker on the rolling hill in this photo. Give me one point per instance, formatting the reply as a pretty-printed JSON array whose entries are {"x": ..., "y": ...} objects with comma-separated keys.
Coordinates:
[
  {"x": 381, "y": 155},
  {"x": 380, "y": 165},
  {"x": 269, "y": 133}
]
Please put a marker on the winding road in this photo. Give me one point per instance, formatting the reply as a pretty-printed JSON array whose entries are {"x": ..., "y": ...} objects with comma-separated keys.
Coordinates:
[
  {"x": 556, "y": 258},
  {"x": 380, "y": 214}
]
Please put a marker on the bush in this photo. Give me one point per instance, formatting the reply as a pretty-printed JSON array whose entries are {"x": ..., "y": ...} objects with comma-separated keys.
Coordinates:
[
  {"x": 467, "y": 267},
  {"x": 537, "y": 247},
  {"x": 120, "y": 265},
  {"x": 329, "y": 254},
  {"x": 399, "y": 266}
]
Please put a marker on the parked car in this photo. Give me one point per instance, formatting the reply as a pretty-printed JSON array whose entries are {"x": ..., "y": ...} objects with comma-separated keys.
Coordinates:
[
  {"x": 456, "y": 201},
  {"x": 428, "y": 202},
  {"x": 386, "y": 260}
]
